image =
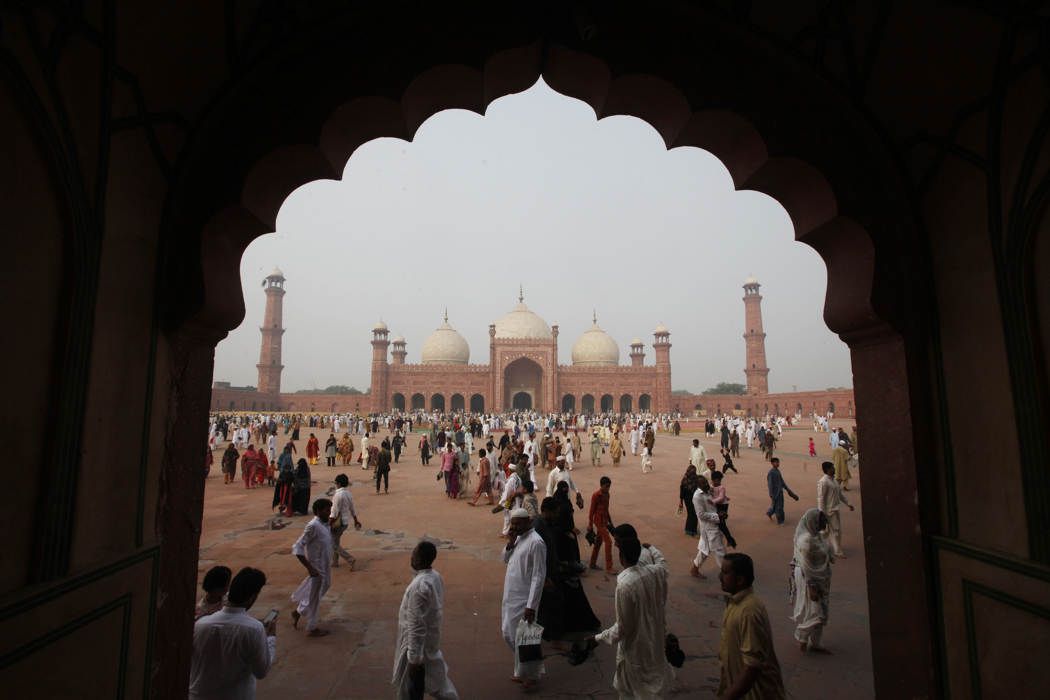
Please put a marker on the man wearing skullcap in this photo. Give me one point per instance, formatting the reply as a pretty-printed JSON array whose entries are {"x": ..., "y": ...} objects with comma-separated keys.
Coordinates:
[{"x": 526, "y": 557}]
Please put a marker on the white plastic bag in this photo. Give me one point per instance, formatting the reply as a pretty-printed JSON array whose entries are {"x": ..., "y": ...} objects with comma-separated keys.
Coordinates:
[{"x": 528, "y": 653}]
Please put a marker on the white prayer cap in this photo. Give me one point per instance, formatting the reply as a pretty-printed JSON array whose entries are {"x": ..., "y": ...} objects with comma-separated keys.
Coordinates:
[
  {"x": 519, "y": 513},
  {"x": 561, "y": 458}
]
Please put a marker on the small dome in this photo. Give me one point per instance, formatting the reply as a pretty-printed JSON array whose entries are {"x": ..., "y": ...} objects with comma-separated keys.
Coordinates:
[
  {"x": 636, "y": 341},
  {"x": 595, "y": 348},
  {"x": 445, "y": 346},
  {"x": 660, "y": 328},
  {"x": 399, "y": 339},
  {"x": 380, "y": 327},
  {"x": 750, "y": 280},
  {"x": 523, "y": 323},
  {"x": 276, "y": 273}
]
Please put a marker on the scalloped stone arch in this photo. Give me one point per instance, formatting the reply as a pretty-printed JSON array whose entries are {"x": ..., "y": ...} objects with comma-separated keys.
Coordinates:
[
  {"x": 834, "y": 200},
  {"x": 800, "y": 188}
]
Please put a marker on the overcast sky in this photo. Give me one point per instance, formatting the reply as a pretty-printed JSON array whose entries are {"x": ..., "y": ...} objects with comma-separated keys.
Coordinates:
[{"x": 586, "y": 214}]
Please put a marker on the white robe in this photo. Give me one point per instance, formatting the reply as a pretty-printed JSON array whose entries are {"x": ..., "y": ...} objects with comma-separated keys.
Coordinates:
[
  {"x": 640, "y": 629},
  {"x": 419, "y": 636},
  {"x": 523, "y": 584},
  {"x": 316, "y": 545},
  {"x": 711, "y": 540}
]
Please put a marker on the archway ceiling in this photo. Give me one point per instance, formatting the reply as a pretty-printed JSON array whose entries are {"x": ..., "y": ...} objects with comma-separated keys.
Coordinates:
[{"x": 807, "y": 195}]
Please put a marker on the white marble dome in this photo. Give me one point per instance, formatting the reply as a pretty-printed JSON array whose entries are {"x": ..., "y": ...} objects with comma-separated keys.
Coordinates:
[
  {"x": 660, "y": 328},
  {"x": 522, "y": 323},
  {"x": 381, "y": 326},
  {"x": 445, "y": 346},
  {"x": 750, "y": 280},
  {"x": 595, "y": 348}
]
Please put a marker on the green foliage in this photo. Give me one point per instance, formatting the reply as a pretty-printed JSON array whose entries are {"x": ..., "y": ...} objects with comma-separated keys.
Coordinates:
[
  {"x": 334, "y": 389},
  {"x": 726, "y": 388}
]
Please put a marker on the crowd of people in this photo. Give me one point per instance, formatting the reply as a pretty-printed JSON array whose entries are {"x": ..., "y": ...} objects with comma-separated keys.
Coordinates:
[{"x": 543, "y": 598}]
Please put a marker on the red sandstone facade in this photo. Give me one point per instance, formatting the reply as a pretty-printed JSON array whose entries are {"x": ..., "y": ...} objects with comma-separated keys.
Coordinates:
[{"x": 523, "y": 372}]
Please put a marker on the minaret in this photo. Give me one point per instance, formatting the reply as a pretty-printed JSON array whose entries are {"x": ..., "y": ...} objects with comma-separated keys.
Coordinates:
[
  {"x": 398, "y": 351},
  {"x": 754, "y": 340},
  {"x": 270, "y": 351},
  {"x": 662, "y": 351},
  {"x": 380, "y": 368},
  {"x": 637, "y": 353}
]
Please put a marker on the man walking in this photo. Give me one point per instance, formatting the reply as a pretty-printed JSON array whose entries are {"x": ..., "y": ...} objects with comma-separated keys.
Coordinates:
[
  {"x": 419, "y": 666},
  {"x": 342, "y": 512},
  {"x": 598, "y": 523},
  {"x": 640, "y": 629},
  {"x": 749, "y": 662},
  {"x": 526, "y": 559},
  {"x": 777, "y": 486},
  {"x": 830, "y": 499},
  {"x": 313, "y": 549}
]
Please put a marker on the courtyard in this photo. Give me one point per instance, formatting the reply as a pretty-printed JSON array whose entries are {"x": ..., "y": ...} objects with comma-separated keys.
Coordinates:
[{"x": 361, "y": 607}]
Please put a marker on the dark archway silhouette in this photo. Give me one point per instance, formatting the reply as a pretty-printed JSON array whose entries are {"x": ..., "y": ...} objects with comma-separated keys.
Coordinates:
[
  {"x": 457, "y": 402},
  {"x": 477, "y": 403},
  {"x": 419, "y": 402},
  {"x": 625, "y": 403},
  {"x": 398, "y": 401},
  {"x": 568, "y": 404}
]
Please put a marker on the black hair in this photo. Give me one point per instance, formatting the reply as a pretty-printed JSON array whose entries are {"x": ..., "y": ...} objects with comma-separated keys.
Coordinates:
[
  {"x": 217, "y": 578},
  {"x": 428, "y": 552},
  {"x": 716, "y": 475},
  {"x": 824, "y": 466},
  {"x": 320, "y": 504},
  {"x": 605, "y": 480},
  {"x": 549, "y": 504},
  {"x": 528, "y": 486},
  {"x": 342, "y": 479},
  {"x": 246, "y": 584},
  {"x": 481, "y": 452},
  {"x": 741, "y": 565},
  {"x": 631, "y": 549}
]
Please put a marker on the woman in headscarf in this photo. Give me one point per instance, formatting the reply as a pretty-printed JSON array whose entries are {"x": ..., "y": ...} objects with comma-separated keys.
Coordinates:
[
  {"x": 229, "y": 463},
  {"x": 331, "y": 446},
  {"x": 313, "y": 448},
  {"x": 301, "y": 488},
  {"x": 567, "y": 523},
  {"x": 685, "y": 499},
  {"x": 810, "y": 583},
  {"x": 616, "y": 449},
  {"x": 346, "y": 448}
]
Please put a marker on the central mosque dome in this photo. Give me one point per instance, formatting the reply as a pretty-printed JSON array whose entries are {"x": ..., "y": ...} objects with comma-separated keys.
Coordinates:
[
  {"x": 445, "y": 346},
  {"x": 522, "y": 323},
  {"x": 595, "y": 348}
]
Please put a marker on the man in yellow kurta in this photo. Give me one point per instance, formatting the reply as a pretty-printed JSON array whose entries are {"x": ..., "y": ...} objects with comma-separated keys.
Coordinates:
[
  {"x": 750, "y": 670},
  {"x": 840, "y": 458}
]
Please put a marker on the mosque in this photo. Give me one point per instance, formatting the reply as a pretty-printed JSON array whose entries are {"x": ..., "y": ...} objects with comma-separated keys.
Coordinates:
[{"x": 523, "y": 372}]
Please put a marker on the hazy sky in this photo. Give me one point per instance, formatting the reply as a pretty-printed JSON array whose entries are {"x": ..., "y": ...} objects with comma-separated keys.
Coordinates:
[{"x": 586, "y": 214}]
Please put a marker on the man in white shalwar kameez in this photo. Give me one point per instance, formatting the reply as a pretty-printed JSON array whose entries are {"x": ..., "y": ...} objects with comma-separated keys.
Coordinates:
[
  {"x": 640, "y": 629},
  {"x": 526, "y": 559},
  {"x": 314, "y": 551},
  {"x": 711, "y": 543},
  {"x": 417, "y": 656},
  {"x": 510, "y": 497}
]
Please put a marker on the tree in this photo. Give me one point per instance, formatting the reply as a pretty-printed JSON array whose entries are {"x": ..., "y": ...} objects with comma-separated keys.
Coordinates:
[{"x": 726, "y": 388}]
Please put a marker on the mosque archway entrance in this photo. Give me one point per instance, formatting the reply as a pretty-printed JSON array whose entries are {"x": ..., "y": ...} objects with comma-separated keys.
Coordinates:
[
  {"x": 419, "y": 402},
  {"x": 625, "y": 403},
  {"x": 568, "y": 404},
  {"x": 645, "y": 403},
  {"x": 399, "y": 402},
  {"x": 587, "y": 405},
  {"x": 458, "y": 404},
  {"x": 523, "y": 376},
  {"x": 522, "y": 401},
  {"x": 477, "y": 403},
  {"x": 607, "y": 403}
]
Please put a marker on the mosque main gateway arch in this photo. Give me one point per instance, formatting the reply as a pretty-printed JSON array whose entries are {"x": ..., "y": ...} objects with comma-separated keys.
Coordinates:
[
  {"x": 523, "y": 384},
  {"x": 203, "y": 185}
]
